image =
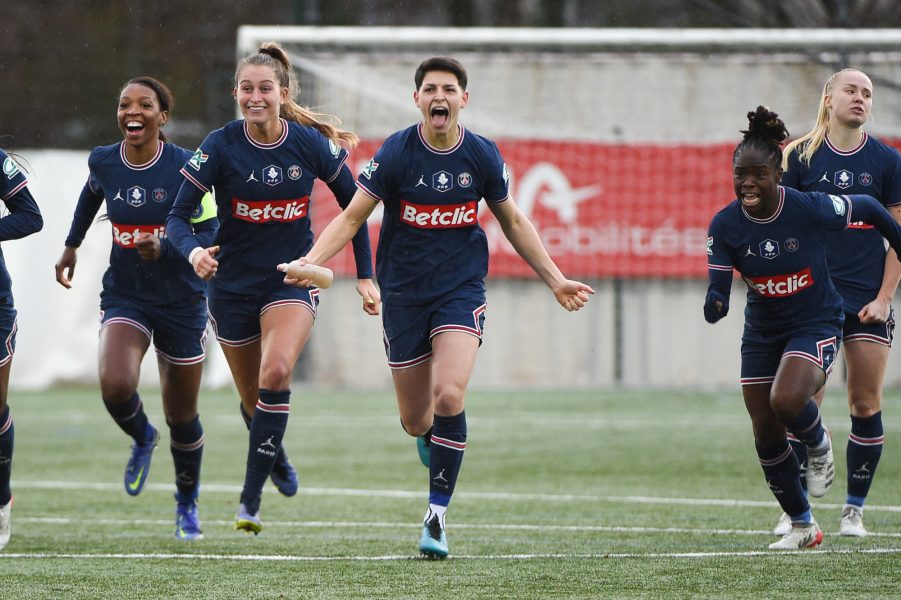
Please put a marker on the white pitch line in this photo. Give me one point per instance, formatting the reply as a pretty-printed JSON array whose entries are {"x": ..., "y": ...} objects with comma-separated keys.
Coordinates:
[
  {"x": 504, "y": 496},
  {"x": 405, "y": 525},
  {"x": 397, "y": 557}
]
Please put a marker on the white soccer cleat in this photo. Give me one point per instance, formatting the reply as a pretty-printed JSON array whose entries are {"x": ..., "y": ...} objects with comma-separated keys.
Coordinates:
[
  {"x": 820, "y": 469},
  {"x": 5, "y": 525},
  {"x": 852, "y": 521},
  {"x": 802, "y": 535},
  {"x": 783, "y": 526}
]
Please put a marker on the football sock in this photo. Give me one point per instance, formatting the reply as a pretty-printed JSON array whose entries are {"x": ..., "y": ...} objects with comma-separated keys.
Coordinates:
[
  {"x": 130, "y": 417},
  {"x": 282, "y": 455},
  {"x": 780, "y": 468},
  {"x": 807, "y": 426},
  {"x": 7, "y": 437},
  {"x": 863, "y": 453},
  {"x": 446, "y": 456},
  {"x": 800, "y": 450},
  {"x": 267, "y": 428},
  {"x": 186, "y": 442}
]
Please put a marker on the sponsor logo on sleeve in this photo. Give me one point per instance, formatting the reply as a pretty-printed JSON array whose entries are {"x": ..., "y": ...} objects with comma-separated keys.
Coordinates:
[
  {"x": 709, "y": 245},
  {"x": 10, "y": 168},
  {"x": 198, "y": 159},
  {"x": 370, "y": 168},
  {"x": 439, "y": 216},
  {"x": 838, "y": 204},
  {"x": 780, "y": 286}
]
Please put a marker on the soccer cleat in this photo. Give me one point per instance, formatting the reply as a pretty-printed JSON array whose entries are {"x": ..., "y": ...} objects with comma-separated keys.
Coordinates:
[
  {"x": 248, "y": 522},
  {"x": 852, "y": 521},
  {"x": 284, "y": 475},
  {"x": 138, "y": 467},
  {"x": 433, "y": 543},
  {"x": 5, "y": 523},
  {"x": 802, "y": 535},
  {"x": 783, "y": 526},
  {"x": 187, "y": 521},
  {"x": 423, "y": 444},
  {"x": 820, "y": 469}
]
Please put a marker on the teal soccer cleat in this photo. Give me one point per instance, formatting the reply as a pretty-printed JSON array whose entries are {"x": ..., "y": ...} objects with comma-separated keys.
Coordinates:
[
  {"x": 423, "y": 445},
  {"x": 433, "y": 543}
]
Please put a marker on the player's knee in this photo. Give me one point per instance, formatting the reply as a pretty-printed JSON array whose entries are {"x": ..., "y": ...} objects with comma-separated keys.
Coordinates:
[
  {"x": 117, "y": 390},
  {"x": 275, "y": 375},
  {"x": 787, "y": 404},
  {"x": 864, "y": 405},
  {"x": 448, "y": 399}
]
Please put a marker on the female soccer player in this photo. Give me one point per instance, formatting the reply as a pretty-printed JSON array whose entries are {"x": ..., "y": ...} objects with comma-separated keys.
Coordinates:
[
  {"x": 838, "y": 157},
  {"x": 431, "y": 264},
  {"x": 24, "y": 218},
  {"x": 149, "y": 292},
  {"x": 775, "y": 238},
  {"x": 263, "y": 168}
]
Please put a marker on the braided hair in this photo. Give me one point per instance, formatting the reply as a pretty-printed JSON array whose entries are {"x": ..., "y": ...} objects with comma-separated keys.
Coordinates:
[{"x": 765, "y": 132}]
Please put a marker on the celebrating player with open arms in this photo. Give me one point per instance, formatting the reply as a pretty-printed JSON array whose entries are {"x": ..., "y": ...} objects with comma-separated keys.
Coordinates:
[
  {"x": 263, "y": 168},
  {"x": 149, "y": 292},
  {"x": 839, "y": 157},
  {"x": 431, "y": 264},
  {"x": 775, "y": 237},
  {"x": 24, "y": 218}
]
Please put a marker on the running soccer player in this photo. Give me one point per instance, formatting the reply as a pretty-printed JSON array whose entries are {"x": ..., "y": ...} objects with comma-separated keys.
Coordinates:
[
  {"x": 149, "y": 292},
  {"x": 839, "y": 157},
  {"x": 263, "y": 168},
  {"x": 431, "y": 263},
  {"x": 775, "y": 237},
  {"x": 24, "y": 218}
]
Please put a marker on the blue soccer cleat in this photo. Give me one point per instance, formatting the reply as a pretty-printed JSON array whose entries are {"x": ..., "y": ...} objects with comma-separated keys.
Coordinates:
[
  {"x": 423, "y": 445},
  {"x": 138, "y": 467},
  {"x": 248, "y": 522},
  {"x": 284, "y": 475},
  {"x": 433, "y": 543},
  {"x": 187, "y": 520}
]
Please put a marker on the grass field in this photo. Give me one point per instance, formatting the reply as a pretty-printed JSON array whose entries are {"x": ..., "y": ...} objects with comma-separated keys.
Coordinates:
[{"x": 601, "y": 494}]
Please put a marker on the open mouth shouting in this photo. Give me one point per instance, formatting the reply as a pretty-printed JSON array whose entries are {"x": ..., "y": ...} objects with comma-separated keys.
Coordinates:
[{"x": 439, "y": 116}]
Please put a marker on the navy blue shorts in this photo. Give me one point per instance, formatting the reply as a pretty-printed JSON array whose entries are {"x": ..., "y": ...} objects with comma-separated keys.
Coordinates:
[
  {"x": 408, "y": 330},
  {"x": 178, "y": 330},
  {"x": 236, "y": 317},
  {"x": 8, "y": 328},
  {"x": 879, "y": 333},
  {"x": 762, "y": 351}
]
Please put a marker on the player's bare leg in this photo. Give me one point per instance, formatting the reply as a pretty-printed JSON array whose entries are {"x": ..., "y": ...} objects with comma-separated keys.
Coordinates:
[{"x": 7, "y": 436}]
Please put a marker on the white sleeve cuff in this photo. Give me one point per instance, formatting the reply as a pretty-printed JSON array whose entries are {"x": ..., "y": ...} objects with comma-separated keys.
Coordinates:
[{"x": 193, "y": 252}]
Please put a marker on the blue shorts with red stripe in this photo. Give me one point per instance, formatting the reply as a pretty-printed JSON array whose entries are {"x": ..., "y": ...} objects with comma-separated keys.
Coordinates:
[
  {"x": 762, "y": 351},
  {"x": 8, "y": 328},
  {"x": 409, "y": 329},
  {"x": 878, "y": 333},
  {"x": 236, "y": 317},
  {"x": 178, "y": 330}
]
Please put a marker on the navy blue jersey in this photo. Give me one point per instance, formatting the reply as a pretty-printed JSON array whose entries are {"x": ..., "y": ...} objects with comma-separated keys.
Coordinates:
[
  {"x": 856, "y": 258},
  {"x": 782, "y": 258},
  {"x": 263, "y": 197},
  {"x": 138, "y": 198},
  {"x": 24, "y": 216},
  {"x": 431, "y": 241}
]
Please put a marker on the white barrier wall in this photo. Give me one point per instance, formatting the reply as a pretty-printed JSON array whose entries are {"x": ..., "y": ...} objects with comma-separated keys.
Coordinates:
[{"x": 529, "y": 340}]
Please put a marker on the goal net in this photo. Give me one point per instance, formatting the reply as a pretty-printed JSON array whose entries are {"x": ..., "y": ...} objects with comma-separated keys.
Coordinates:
[{"x": 618, "y": 141}]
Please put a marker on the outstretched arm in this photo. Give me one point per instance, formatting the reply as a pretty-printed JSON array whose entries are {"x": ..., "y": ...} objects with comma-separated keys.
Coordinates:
[{"x": 572, "y": 295}]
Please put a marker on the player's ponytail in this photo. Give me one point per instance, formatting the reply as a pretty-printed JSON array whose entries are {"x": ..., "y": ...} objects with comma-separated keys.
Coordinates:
[
  {"x": 163, "y": 95},
  {"x": 765, "y": 131},
  {"x": 272, "y": 54}
]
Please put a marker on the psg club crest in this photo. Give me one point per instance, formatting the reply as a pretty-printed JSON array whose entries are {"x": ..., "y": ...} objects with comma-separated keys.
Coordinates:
[
  {"x": 843, "y": 179},
  {"x": 464, "y": 180},
  {"x": 272, "y": 175},
  {"x": 769, "y": 249},
  {"x": 136, "y": 196},
  {"x": 159, "y": 195},
  {"x": 442, "y": 181},
  {"x": 865, "y": 179},
  {"x": 792, "y": 244},
  {"x": 294, "y": 172}
]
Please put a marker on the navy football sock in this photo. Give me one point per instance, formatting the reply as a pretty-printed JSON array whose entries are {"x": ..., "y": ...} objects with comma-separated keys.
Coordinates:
[
  {"x": 266, "y": 432},
  {"x": 800, "y": 450},
  {"x": 7, "y": 437},
  {"x": 282, "y": 457},
  {"x": 446, "y": 456},
  {"x": 780, "y": 468},
  {"x": 130, "y": 417},
  {"x": 186, "y": 443},
  {"x": 807, "y": 426},
  {"x": 863, "y": 453}
]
